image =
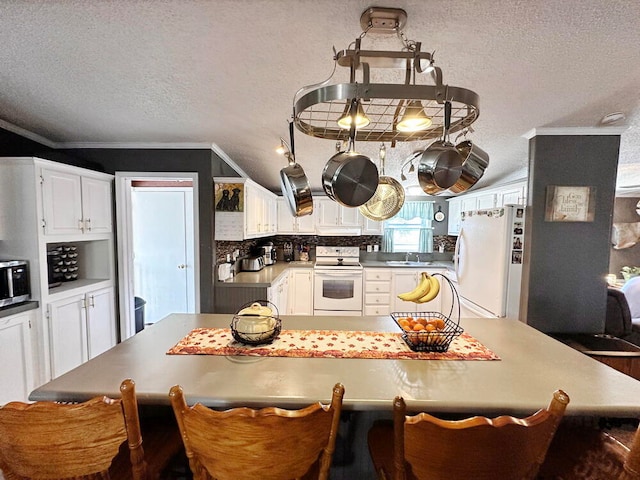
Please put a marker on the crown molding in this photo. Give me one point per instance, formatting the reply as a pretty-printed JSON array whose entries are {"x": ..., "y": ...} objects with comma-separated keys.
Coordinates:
[
  {"x": 548, "y": 131},
  {"x": 135, "y": 145},
  {"x": 27, "y": 134}
]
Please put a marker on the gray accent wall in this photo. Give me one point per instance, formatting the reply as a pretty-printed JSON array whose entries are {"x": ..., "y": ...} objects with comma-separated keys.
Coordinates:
[{"x": 564, "y": 288}]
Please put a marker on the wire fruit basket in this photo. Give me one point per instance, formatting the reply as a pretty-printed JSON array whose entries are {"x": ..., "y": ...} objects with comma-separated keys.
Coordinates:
[
  {"x": 437, "y": 331},
  {"x": 255, "y": 323}
]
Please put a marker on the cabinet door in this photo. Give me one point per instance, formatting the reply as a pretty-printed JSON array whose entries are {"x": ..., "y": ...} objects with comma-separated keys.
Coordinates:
[
  {"x": 301, "y": 292},
  {"x": 253, "y": 211},
  {"x": 453, "y": 225},
  {"x": 62, "y": 202},
  {"x": 404, "y": 280},
  {"x": 513, "y": 196},
  {"x": 328, "y": 212},
  {"x": 349, "y": 217},
  {"x": 306, "y": 224},
  {"x": 286, "y": 221},
  {"x": 68, "y": 334},
  {"x": 96, "y": 205},
  {"x": 488, "y": 200},
  {"x": 101, "y": 321},
  {"x": 468, "y": 203},
  {"x": 16, "y": 367},
  {"x": 371, "y": 227}
]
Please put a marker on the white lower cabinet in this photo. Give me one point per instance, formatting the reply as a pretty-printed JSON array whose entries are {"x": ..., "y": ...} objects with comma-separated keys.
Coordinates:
[
  {"x": 16, "y": 365},
  {"x": 278, "y": 294},
  {"x": 81, "y": 326},
  {"x": 300, "y": 291},
  {"x": 377, "y": 291}
]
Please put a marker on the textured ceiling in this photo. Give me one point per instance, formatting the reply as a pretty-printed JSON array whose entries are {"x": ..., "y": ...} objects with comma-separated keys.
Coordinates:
[{"x": 226, "y": 72}]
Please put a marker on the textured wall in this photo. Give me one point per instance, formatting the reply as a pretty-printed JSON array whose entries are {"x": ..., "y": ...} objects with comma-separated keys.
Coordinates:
[{"x": 564, "y": 290}]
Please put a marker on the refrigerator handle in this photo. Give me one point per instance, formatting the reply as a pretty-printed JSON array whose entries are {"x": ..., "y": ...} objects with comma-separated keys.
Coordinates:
[{"x": 456, "y": 252}]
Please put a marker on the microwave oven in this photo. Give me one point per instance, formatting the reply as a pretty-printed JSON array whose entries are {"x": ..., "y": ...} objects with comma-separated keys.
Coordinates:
[{"x": 14, "y": 282}]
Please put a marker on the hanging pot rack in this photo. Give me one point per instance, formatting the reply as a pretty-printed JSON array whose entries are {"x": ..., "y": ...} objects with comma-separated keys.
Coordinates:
[{"x": 318, "y": 107}]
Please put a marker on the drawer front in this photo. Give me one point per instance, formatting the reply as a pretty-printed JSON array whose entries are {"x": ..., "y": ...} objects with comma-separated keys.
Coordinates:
[
  {"x": 377, "y": 275},
  {"x": 376, "y": 299},
  {"x": 377, "y": 310},
  {"x": 377, "y": 287}
]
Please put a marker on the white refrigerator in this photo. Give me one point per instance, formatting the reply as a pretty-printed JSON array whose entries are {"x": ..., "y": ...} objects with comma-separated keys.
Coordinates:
[{"x": 488, "y": 261}]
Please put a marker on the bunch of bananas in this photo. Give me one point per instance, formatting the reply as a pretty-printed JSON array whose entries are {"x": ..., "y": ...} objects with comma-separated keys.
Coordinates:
[{"x": 427, "y": 289}]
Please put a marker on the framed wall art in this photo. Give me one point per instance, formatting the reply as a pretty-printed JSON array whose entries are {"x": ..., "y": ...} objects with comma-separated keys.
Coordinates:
[
  {"x": 570, "y": 204},
  {"x": 229, "y": 197}
]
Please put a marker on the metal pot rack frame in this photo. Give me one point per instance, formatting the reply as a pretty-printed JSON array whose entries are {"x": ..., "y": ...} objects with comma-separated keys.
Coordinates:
[{"x": 317, "y": 110}]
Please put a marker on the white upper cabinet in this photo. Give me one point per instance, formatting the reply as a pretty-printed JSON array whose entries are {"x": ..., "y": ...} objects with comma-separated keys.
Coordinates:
[
  {"x": 288, "y": 224},
  {"x": 335, "y": 219},
  {"x": 74, "y": 203},
  {"x": 253, "y": 215},
  {"x": 513, "y": 193}
]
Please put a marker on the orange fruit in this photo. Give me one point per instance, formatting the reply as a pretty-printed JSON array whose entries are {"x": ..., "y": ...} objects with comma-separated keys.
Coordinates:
[
  {"x": 418, "y": 327},
  {"x": 421, "y": 321},
  {"x": 430, "y": 327},
  {"x": 439, "y": 323}
]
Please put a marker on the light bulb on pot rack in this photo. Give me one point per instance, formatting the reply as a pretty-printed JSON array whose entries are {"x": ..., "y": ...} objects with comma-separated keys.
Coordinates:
[
  {"x": 389, "y": 107},
  {"x": 361, "y": 118}
]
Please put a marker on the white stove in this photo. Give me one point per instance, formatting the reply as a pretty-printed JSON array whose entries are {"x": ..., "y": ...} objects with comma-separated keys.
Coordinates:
[
  {"x": 337, "y": 258},
  {"x": 337, "y": 281}
]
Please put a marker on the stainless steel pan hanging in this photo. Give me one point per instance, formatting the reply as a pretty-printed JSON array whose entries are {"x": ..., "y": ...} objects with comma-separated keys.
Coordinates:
[
  {"x": 440, "y": 165},
  {"x": 294, "y": 184},
  {"x": 350, "y": 178},
  {"x": 388, "y": 197},
  {"x": 475, "y": 163}
]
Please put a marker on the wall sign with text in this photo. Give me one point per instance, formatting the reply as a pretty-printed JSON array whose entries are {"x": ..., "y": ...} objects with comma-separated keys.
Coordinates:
[{"x": 570, "y": 204}]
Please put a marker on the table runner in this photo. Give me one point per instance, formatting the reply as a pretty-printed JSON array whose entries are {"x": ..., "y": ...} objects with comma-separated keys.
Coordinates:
[{"x": 326, "y": 344}]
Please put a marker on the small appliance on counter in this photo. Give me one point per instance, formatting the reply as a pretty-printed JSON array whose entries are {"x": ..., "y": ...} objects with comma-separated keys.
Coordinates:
[
  {"x": 288, "y": 251},
  {"x": 252, "y": 264},
  {"x": 14, "y": 282},
  {"x": 268, "y": 253}
]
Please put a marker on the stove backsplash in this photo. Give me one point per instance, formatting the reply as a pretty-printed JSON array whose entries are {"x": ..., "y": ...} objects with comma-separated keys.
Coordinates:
[{"x": 310, "y": 241}]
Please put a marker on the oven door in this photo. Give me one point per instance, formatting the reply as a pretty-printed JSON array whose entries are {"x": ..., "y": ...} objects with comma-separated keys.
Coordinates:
[{"x": 337, "y": 291}]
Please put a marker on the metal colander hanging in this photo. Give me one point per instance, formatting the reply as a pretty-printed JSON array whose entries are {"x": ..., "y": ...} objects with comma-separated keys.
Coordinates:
[{"x": 388, "y": 197}]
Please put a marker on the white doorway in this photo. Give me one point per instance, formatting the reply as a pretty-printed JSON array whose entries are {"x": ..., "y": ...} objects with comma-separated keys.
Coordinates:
[{"x": 157, "y": 261}]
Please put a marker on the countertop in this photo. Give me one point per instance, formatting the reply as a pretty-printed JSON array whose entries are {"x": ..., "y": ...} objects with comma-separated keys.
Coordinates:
[
  {"x": 270, "y": 273},
  {"x": 19, "y": 308},
  {"x": 532, "y": 366}
]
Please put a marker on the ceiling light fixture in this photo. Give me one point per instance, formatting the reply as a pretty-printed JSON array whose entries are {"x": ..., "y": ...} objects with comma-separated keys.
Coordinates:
[
  {"x": 283, "y": 148},
  {"x": 361, "y": 118},
  {"x": 318, "y": 108},
  {"x": 414, "y": 119}
]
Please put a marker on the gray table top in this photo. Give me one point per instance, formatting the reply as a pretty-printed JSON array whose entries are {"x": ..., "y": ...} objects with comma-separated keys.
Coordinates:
[{"x": 532, "y": 366}]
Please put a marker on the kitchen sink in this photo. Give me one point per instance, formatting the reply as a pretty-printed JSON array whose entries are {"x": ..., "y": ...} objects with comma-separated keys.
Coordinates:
[{"x": 407, "y": 263}]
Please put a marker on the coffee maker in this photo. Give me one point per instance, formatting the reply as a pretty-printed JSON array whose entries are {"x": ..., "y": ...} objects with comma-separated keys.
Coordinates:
[
  {"x": 268, "y": 253},
  {"x": 288, "y": 252}
]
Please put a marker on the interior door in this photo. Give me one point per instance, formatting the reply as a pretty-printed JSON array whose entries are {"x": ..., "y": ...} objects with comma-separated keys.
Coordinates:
[{"x": 163, "y": 250}]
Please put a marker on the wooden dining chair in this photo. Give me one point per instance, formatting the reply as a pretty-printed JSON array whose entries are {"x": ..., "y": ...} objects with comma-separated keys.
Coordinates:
[
  {"x": 478, "y": 448},
  {"x": 47, "y": 440},
  {"x": 270, "y": 443}
]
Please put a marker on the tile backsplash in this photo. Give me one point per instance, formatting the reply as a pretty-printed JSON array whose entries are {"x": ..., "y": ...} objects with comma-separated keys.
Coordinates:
[{"x": 245, "y": 247}]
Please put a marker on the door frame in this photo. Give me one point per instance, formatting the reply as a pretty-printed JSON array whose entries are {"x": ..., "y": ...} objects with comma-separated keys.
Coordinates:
[{"x": 124, "y": 242}]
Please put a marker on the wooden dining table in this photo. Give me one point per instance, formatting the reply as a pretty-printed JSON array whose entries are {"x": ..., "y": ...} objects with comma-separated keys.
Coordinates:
[{"x": 531, "y": 366}]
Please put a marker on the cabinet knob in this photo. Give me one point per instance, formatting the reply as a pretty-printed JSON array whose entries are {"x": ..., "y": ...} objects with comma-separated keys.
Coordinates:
[{"x": 182, "y": 266}]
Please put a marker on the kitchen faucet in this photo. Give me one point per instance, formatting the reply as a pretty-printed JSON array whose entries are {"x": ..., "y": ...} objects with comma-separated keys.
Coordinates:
[{"x": 406, "y": 256}]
